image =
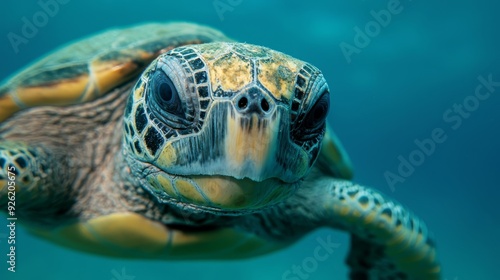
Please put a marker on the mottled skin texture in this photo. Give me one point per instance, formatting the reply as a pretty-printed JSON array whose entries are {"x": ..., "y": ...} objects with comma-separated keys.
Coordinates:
[{"x": 212, "y": 153}]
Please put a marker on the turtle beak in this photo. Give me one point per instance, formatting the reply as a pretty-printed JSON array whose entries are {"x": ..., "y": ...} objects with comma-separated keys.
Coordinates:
[
  {"x": 251, "y": 145},
  {"x": 252, "y": 134},
  {"x": 257, "y": 139}
]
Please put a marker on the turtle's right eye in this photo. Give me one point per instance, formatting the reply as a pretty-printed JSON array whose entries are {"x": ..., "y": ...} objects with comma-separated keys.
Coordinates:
[
  {"x": 166, "y": 94},
  {"x": 317, "y": 115},
  {"x": 313, "y": 123}
]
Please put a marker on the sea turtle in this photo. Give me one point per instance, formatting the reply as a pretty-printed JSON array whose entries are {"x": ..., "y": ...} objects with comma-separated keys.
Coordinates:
[{"x": 171, "y": 141}]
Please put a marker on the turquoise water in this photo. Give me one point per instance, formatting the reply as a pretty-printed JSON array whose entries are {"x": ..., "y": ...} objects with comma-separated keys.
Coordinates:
[{"x": 397, "y": 88}]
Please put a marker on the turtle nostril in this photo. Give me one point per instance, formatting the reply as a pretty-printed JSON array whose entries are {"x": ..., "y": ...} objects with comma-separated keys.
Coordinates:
[
  {"x": 242, "y": 103},
  {"x": 264, "y": 104}
]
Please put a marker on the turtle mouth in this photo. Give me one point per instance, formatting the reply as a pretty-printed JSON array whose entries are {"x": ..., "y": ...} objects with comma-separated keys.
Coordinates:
[
  {"x": 227, "y": 195},
  {"x": 216, "y": 193}
]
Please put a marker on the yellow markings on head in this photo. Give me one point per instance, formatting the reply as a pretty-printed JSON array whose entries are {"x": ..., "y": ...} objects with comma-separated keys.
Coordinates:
[
  {"x": 160, "y": 181},
  {"x": 168, "y": 157},
  {"x": 139, "y": 92},
  {"x": 189, "y": 191},
  {"x": 229, "y": 70},
  {"x": 231, "y": 73},
  {"x": 7, "y": 106},
  {"x": 278, "y": 75},
  {"x": 64, "y": 92},
  {"x": 210, "y": 51}
]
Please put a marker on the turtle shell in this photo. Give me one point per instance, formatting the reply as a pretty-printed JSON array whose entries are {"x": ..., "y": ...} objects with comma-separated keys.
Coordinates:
[{"x": 87, "y": 69}]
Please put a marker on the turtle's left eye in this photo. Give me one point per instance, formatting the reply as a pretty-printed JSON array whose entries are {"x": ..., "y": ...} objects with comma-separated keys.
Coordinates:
[{"x": 166, "y": 94}]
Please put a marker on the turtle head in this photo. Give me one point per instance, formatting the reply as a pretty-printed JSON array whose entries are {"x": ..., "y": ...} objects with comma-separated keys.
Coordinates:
[{"x": 225, "y": 126}]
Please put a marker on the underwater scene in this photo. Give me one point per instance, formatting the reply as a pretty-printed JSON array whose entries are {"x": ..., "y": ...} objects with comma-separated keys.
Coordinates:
[{"x": 414, "y": 98}]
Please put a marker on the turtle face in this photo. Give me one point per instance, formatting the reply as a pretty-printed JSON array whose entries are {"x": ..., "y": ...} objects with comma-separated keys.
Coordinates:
[{"x": 225, "y": 126}]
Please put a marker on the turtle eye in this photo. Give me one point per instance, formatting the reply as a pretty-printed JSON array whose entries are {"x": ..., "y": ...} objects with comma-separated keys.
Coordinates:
[
  {"x": 316, "y": 116},
  {"x": 166, "y": 94}
]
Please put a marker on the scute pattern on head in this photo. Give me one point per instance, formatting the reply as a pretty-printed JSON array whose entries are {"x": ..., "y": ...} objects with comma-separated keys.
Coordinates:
[
  {"x": 141, "y": 127},
  {"x": 223, "y": 109},
  {"x": 282, "y": 77},
  {"x": 252, "y": 64}
]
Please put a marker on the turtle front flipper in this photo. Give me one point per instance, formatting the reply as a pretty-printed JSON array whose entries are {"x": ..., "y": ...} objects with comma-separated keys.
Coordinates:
[
  {"x": 387, "y": 241},
  {"x": 30, "y": 179},
  {"x": 333, "y": 159}
]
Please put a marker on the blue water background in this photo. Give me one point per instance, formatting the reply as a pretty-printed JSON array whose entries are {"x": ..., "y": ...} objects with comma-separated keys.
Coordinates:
[{"x": 394, "y": 91}]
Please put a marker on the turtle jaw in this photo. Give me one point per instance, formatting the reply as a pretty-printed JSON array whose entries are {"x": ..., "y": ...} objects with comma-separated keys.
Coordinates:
[{"x": 219, "y": 193}]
